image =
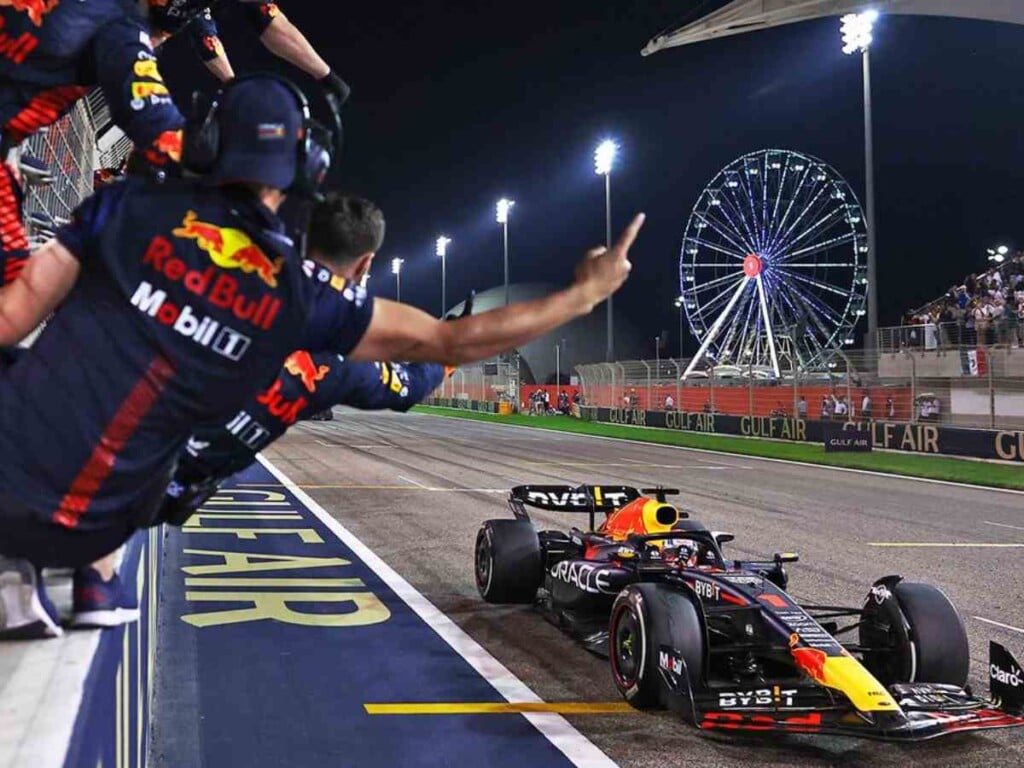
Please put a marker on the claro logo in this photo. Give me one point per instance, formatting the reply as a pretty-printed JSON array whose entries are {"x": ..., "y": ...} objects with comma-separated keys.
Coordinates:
[{"x": 1012, "y": 678}]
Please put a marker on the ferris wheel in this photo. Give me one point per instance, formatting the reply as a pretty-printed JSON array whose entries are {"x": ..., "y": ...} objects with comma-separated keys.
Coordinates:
[{"x": 773, "y": 269}]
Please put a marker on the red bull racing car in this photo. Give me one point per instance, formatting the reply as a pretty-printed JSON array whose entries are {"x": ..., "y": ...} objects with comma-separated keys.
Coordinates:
[{"x": 720, "y": 640}]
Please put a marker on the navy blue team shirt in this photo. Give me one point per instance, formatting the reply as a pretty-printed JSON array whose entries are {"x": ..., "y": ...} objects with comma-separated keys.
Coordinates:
[
  {"x": 188, "y": 300},
  {"x": 52, "y": 53},
  {"x": 195, "y": 19},
  {"x": 307, "y": 384}
]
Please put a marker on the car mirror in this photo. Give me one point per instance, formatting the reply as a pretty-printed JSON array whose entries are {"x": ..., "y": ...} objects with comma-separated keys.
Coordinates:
[{"x": 786, "y": 557}]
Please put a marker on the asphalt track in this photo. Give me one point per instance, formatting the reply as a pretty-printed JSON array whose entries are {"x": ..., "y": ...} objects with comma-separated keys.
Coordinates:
[{"x": 415, "y": 488}]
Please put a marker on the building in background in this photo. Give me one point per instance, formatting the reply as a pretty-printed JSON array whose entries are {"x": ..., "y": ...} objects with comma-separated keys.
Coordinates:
[{"x": 582, "y": 340}]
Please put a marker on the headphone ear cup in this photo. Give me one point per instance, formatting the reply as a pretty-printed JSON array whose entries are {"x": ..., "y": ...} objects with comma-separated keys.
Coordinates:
[{"x": 201, "y": 142}]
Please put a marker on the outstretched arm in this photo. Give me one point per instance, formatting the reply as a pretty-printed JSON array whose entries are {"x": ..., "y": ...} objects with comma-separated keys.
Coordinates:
[
  {"x": 400, "y": 332},
  {"x": 284, "y": 39},
  {"x": 46, "y": 279}
]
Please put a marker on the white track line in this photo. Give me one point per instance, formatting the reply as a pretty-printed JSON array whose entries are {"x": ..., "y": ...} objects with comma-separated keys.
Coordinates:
[
  {"x": 570, "y": 742},
  {"x": 742, "y": 457},
  {"x": 408, "y": 480},
  {"x": 999, "y": 624},
  {"x": 1004, "y": 525}
]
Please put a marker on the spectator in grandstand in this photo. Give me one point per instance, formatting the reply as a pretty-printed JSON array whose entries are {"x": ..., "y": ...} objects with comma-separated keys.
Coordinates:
[
  {"x": 801, "y": 408},
  {"x": 865, "y": 406},
  {"x": 670, "y": 402},
  {"x": 195, "y": 19},
  {"x": 205, "y": 296},
  {"x": 826, "y": 408},
  {"x": 66, "y": 49}
]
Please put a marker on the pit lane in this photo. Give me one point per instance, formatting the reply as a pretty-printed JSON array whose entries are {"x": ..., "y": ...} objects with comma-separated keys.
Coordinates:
[{"x": 415, "y": 488}]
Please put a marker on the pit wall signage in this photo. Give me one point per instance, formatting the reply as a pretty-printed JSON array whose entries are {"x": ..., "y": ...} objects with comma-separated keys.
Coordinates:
[{"x": 1006, "y": 445}]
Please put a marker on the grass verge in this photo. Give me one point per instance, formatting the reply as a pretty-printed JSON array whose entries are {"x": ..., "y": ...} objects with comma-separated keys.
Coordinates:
[{"x": 931, "y": 467}]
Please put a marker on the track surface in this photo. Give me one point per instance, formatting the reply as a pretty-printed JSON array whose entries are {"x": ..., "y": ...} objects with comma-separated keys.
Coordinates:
[{"x": 415, "y": 489}]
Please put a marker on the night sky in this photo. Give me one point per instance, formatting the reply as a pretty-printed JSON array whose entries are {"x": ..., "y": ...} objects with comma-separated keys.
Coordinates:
[{"x": 456, "y": 104}]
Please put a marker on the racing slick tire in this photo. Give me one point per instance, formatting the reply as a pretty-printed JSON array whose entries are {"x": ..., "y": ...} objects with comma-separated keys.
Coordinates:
[
  {"x": 922, "y": 631},
  {"x": 651, "y": 626},
  {"x": 508, "y": 563}
]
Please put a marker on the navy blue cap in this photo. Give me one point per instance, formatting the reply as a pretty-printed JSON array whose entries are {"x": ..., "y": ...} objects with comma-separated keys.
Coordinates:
[{"x": 261, "y": 125}]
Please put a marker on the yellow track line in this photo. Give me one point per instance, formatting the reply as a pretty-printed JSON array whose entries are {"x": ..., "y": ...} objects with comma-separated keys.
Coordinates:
[{"x": 502, "y": 708}]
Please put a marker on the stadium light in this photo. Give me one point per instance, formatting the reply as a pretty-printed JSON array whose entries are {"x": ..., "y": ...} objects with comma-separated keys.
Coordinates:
[
  {"x": 604, "y": 160},
  {"x": 998, "y": 254},
  {"x": 858, "y": 34},
  {"x": 679, "y": 306},
  {"x": 604, "y": 157},
  {"x": 502, "y": 211},
  {"x": 442, "y": 251},
  {"x": 396, "y": 270},
  {"x": 858, "y": 31}
]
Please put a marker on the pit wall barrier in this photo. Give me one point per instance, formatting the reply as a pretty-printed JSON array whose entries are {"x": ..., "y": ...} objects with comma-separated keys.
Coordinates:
[
  {"x": 923, "y": 438},
  {"x": 112, "y": 728},
  {"x": 481, "y": 406}
]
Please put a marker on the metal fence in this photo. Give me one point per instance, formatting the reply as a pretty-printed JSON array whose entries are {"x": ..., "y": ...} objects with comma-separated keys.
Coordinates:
[
  {"x": 494, "y": 382},
  {"x": 998, "y": 332},
  {"x": 904, "y": 388}
]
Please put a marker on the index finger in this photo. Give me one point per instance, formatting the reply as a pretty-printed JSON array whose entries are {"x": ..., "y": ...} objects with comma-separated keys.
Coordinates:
[{"x": 630, "y": 232}]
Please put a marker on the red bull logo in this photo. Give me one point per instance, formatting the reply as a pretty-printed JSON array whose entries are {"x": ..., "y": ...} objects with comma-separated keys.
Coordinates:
[
  {"x": 301, "y": 365},
  {"x": 810, "y": 660},
  {"x": 35, "y": 9},
  {"x": 230, "y": 248}
]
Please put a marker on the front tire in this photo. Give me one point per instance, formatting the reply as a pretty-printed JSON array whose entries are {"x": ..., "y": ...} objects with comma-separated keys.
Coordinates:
[
  {"x": 648, "y": 623},
  {"x": 508, "y": 565},
  {"x": 922, "y": 632}
]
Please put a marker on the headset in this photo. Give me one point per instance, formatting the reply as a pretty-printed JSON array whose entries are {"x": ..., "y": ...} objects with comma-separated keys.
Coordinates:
[{"x": 316, "y": 148}]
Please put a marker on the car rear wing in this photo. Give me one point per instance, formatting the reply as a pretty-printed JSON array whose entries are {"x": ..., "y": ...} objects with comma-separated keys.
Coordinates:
[{"x": 586, "y": 499}]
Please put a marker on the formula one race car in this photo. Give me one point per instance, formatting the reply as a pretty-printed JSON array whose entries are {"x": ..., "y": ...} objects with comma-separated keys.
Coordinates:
[{"x": 721, "y": 642}]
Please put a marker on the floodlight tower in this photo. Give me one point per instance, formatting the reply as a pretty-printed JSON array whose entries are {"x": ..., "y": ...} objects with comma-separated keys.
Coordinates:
[
  {"x": 998, "y": 254},
  {"x": 604, "y": 160},
  {"x": 442, "y": 251},
  {"x": 396, "y": 270},
  {"x": 858, "y": 34},
  {"x": 501, "y": 214}
]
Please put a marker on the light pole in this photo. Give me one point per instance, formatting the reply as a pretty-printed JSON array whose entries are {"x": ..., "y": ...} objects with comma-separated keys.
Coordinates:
[
  {"x": 604, "y": 159},
  {"x": 679, "y": 306},
  {"x": 501, "y": 214},
  {"x": 857, "y": 34},
  {"x": 442, "y": 251},
  {"x": 396, "y": 270},
  {"x": 998, "y": 254}
]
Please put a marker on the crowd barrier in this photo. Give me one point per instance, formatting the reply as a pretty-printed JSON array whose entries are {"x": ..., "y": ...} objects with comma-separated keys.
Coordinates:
[
  {"x": 483, "y": 406},
  {"x": 925, "y": 438},
  {"x": 113, "y": 724}
]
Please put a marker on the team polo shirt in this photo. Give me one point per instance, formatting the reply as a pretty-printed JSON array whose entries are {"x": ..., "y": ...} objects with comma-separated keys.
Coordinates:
[{"x": 187, "y": 301}]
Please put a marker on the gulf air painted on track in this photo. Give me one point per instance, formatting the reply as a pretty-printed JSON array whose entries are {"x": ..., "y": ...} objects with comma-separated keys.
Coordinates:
[
  {"x": 300, "y": 364},
  {"x": 35, "y": 9},
  {"x": 230, "y": 248}
]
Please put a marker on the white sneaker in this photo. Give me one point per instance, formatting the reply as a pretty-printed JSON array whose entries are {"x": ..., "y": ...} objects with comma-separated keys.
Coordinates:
[{"x": 26, "y": 612}]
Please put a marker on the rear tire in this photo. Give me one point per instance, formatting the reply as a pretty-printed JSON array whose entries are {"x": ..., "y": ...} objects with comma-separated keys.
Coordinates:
[
  {"x": 508, "y": 565},
  {"x": 924, "y": 632},
  {"x": 644, "y": 619}
]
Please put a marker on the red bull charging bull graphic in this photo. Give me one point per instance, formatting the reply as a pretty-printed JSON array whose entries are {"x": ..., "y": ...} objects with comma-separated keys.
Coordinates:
[
  {"x": 230, "y": 248},
  {"x": 300, "y": 364},
  {"x": 35, "y": 9}
]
